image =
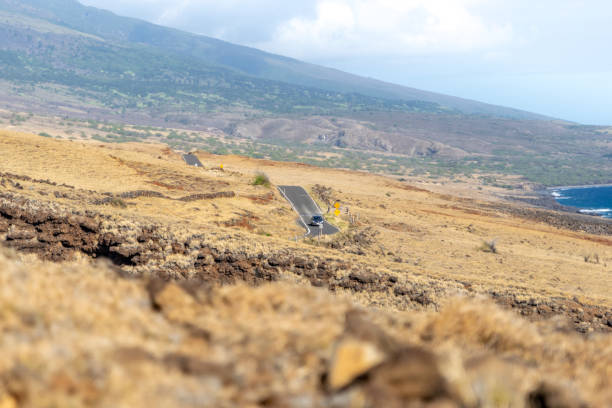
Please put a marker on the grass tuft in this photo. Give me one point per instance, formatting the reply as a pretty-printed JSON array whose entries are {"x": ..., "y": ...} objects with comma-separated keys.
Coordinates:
[
  {"x": 592, "y": 258},
  {"x": 262, "y": 179},
  {"x": 489, "y": 246}
]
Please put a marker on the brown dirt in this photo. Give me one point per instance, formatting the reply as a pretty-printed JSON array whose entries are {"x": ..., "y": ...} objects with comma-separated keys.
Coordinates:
[{"x": 262, "y": 199}]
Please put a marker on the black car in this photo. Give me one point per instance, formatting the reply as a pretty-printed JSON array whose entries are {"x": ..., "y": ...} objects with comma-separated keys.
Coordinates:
[{"x": 317, "y": 220}]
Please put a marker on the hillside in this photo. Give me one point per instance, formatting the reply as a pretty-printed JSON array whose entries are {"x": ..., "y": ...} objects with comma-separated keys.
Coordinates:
[
  {"x": 200, "y": 294},
  {"x": 207, "y": 52},
  {"x": 127, "y": 64},
  {"x": 63, "y": 59},
  {"x": 517, "y": 155},
  {"x": 401, "y": 229}
]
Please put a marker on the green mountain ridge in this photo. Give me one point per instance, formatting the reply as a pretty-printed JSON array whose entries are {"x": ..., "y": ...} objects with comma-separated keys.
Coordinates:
[
  {"x": 205, "y": 51},
  {"x": 100, "y": 65}
]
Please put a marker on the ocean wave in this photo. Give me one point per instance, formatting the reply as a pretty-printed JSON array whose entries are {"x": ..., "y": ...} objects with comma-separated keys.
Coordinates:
[
  {"x": 558, "y": 196},
  {"x": 597, "y": 211}
]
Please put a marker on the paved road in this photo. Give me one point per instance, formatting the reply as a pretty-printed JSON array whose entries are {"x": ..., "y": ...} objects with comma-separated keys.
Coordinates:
[
  {"x": 192, "y": 160},
  {"x": 305, "y": 206}
]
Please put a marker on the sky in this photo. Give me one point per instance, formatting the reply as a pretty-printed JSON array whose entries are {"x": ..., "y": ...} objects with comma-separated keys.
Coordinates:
[{"x": 547, "y": 56}]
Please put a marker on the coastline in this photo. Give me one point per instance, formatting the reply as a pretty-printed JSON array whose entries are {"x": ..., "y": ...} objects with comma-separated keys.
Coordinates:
[
  {"x": 546, "y": 198},
  {"x": 541, "y": 206},
  {"x": 579, "y": 186}
]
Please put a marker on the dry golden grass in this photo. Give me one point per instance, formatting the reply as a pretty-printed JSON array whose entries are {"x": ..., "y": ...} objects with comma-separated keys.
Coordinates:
[
  {"x": 440, "y": 235},
  {"x": 130, "y": 167},
  {"x": 434, "y": 235},
  {"x": 77, "y": 335}
]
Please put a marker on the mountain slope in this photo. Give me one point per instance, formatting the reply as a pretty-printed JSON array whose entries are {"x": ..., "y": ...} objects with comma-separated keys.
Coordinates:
[
  {"x": 248, "y": 61},
  {"x": 62, "y": 58},
  {"x": 110, "y": 63}
]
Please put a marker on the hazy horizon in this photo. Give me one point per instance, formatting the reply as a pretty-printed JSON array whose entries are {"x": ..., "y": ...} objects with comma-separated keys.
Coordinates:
[{"x": 546, "y": 58}]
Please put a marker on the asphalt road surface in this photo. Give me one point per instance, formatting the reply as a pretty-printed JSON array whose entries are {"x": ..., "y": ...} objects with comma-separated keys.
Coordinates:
[
  {"x": 192, "y": 160},
  {"x": 305, "y": 206}
]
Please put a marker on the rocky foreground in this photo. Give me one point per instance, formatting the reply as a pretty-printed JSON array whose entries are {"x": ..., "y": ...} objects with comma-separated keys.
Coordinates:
[
  {"x": 146, "y": 249},
  {"x": 78, "y": 334}
]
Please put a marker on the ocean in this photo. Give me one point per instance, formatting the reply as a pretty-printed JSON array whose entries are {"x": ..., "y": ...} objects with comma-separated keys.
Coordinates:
[{"x": 595, "y": 200}]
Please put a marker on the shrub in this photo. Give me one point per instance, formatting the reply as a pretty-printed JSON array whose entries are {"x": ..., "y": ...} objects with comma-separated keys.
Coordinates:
[
  {"x": 591, "y": 258},
  {"x": 261, "y": 179},
  {"x": 489, "y": 246},
  {"x": 323, "y": 193},
  {"x": 118, "y": 202}
]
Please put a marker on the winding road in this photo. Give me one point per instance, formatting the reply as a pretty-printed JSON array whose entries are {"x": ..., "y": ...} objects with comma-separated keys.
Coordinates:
[
  {"x": 306, "y": 208},
  {"x": 192, "y": 160}
]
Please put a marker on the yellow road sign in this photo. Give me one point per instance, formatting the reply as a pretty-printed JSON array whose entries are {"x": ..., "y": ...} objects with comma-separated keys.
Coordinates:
[
  {"x": 337, "y": 213},
  {"x": 337, "y": 205},
  {"x": 221, "y": 166}
]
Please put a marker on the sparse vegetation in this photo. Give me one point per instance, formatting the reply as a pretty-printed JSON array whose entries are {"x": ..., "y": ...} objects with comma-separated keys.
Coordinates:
[
  {"x": 323, "y": 193},
  {"x": 592, "y": 258},
  {"x": 134, "y": 81},
  {"x": 501, "y": 170},
  {"x": 117, "y": 202},
  {"x": 389, "y": 267}
]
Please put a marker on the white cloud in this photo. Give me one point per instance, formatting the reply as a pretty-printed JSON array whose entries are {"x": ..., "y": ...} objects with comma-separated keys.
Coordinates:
[
  {"x": 345, "y": 28},
  {"x": 170, "y": 14},
  {"x": 240, "y": 21}
]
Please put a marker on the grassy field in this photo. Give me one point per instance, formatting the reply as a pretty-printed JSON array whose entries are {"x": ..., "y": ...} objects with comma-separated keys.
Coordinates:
[
  {"x": 417, "y": 233},
  {"x": 77, "y": 334}
]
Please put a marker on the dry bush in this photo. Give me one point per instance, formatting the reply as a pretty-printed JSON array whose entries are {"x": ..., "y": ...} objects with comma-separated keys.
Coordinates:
[
  {"x": 353, "y": 240},
  {"x": 489, "y": 246},
  {"x": 482, "y": 323},
  {"x": 592, "y": 258},
  {"x": 323, "y": 193},
  {"x": 244, "y": 221}
]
